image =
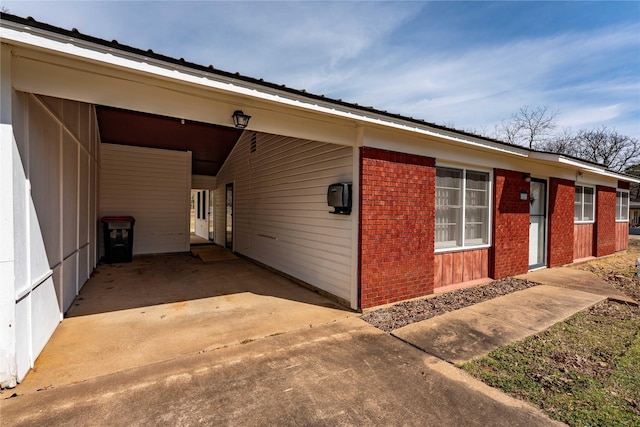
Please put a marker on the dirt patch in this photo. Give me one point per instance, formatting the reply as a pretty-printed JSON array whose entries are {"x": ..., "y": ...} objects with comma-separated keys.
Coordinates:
[{"x": 405, "y": 313}]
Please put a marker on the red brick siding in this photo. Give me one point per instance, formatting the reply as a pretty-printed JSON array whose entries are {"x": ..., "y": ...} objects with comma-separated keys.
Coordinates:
[
  {"x": 451, "y": 268},
  {"x": 510, "y": 250},
  {"x": 560, "y": 235},
  {"x": 605, "y": 227},
  {"x": 622, "y": 236},
  {"x": 583, "y": 241},
  {"x": 397, "y": 223}
]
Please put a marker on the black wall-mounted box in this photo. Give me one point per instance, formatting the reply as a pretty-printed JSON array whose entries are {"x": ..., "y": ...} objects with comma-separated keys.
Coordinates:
[{"x": 339, "y": 197}]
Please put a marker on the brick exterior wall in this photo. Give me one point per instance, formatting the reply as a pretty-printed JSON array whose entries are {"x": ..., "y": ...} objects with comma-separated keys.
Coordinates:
[
  {"x": 605, "y": 226},
  {"x": 510, "y": 251},
  {"x": 397, "y": 226},
  {"x": 560, "y": 235}
]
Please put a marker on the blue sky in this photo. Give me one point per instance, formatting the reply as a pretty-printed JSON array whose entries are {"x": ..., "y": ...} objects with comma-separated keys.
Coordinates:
[{"x": 462, "y": 64}]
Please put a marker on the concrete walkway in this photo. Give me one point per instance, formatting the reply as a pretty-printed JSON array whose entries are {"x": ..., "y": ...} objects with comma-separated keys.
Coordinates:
[
  {"x": 475, "y": 331},
  {"x": 463, "y": 335},
  {"x": 579, "y": 280}
]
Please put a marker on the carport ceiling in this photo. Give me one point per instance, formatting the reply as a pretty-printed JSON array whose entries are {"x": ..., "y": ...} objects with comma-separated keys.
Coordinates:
[{"x": 209, "y": 144}]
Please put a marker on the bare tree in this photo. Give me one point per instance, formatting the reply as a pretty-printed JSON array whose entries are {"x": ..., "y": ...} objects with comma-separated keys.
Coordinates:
[
  {"x": 535, "y": 128},
  {"x": 563, "y": 143},
  {"x": 529, "y": 126},
  {"x": 606, "y": 146},
  {"x": 635, "y": 187}
]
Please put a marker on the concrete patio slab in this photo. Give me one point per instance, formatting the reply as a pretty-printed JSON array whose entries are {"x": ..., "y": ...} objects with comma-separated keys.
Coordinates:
[
  {"x": 474, "y": 331},
  {"x": 159, "y": 308}
]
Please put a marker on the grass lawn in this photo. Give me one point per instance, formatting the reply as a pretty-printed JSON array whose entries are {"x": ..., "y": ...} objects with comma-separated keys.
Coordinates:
[{"x": 584, "y": 371}]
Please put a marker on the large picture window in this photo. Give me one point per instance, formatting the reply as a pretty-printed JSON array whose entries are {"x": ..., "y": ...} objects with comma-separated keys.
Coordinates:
[
  {"x": 462, "y": 208},
  {"x": 622, "y": 205},
  {"x": 584, "y": 205}
]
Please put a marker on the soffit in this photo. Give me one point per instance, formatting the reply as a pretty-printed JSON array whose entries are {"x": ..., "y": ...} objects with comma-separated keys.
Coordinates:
[{"x": 209, "y": 144}]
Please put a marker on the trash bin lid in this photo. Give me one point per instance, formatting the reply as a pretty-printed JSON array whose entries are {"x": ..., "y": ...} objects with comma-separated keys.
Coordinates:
[{"x": 118, "y": 219}]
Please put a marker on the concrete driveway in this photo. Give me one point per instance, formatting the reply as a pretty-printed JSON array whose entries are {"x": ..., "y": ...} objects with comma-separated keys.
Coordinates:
[
  {"x": 344, "y": 373},
  {"x": 170, "y": 340},
  {"x": 159, "y": 308}
]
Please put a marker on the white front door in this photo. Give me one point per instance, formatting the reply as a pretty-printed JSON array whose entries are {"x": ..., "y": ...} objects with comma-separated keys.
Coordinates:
[
  {"x": 537, "y": 224},
  {"x": 201, "y": 214},
  {"x": 228, "y": 223}
]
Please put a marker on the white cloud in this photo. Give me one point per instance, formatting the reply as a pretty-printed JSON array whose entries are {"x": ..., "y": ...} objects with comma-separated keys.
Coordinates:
[
  {"x": 590, "y": 116},
  {"x": 478, "y": 88}
]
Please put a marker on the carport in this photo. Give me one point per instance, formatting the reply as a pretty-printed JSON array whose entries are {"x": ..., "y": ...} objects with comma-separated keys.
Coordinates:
[
  {"x": 161, "y": 307},
  {"x": 77, "y": 103}
]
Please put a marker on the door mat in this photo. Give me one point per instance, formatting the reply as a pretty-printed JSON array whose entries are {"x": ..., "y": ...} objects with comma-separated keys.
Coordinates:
[{"x": 213, "y": 253}]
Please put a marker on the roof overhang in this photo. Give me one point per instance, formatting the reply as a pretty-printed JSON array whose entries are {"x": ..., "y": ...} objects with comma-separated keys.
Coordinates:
[
  {"x": 581, "y": 165},
  {"x": 37, "y": 38},
  {"x": 53, "y": 40}
]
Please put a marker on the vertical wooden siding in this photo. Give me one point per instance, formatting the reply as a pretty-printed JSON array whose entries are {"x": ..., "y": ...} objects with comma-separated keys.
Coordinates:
[
  {"x": 457, "y": 267},
  {"x": 281, "y": 217},
  {"x": 55, "y": 176},
  {"x": 582, "y": 240},
  {"x": 622, "y": 236},
  {"x": 153, "y": 186}
]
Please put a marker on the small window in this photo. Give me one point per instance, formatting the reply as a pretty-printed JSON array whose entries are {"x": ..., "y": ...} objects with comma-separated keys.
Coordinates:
[
  {"x": 622, "y": 205},
  {"x": 462, "y": 208},
  {"x": 584, "y": 204}
]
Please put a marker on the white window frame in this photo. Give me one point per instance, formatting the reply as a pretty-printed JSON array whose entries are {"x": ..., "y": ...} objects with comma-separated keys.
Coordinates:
[
  {"x": 619, "y": 211},
  {"x": 465, "y": 246},
  {"x": 581, "y": 220}
]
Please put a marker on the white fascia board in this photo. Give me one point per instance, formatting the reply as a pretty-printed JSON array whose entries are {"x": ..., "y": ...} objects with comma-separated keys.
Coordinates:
[
  {"x": 582, "y": 166},
  {"x": 45, "y": 40}
]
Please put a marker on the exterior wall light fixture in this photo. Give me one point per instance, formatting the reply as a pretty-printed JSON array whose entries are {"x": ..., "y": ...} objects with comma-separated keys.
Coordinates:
[
  {"x": 240, "y": 119},
  {"x": 523, "y": 195},
  {"x": 526, "y": 177}
]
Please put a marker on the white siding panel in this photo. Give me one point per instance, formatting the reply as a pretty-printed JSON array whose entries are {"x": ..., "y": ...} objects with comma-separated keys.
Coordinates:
[
  {"x": 69, "y": 194},
  {"x": 44, "y": 173},
  {"x": 23, "y": 337},
  {"x": 54, "y": 231},
  {"x": 44, "y": 305},
  {"x": 203, "y": 182},
  {"x": 21, "y": 205},
  {"x": 83, "y": 199},
  {"x": 58, "y": 285},
  {"x": 69, "y": 281},
  {"x": 153, "y": 186},
  {"x": 93, "y": 214},
  {"x": 84, "y": 269},
  {"x": 281, "y": 217}
]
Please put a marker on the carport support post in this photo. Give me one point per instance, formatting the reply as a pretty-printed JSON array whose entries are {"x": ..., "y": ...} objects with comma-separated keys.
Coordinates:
[{"x": 8, "y": 368}]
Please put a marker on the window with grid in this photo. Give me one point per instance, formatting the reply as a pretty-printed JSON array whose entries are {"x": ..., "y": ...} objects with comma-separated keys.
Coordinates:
[
  {"x": 462, "y": 208},
  {"x": 584, "y": 205},
  {"x": 622, "y": 205}
]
